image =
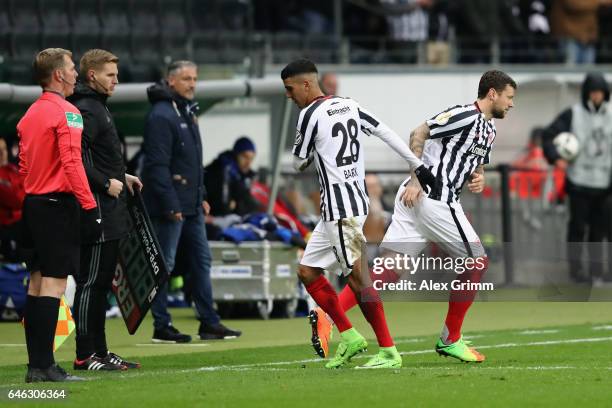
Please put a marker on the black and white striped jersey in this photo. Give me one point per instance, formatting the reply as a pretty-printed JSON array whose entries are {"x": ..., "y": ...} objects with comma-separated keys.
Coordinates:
[
  {"x": 331, "y": 129},
  {"x": 460, "y": 139}
]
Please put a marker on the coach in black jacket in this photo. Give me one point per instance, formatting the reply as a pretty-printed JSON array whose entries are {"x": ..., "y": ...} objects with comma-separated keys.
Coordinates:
[
  {"x": 175, "y": 198},
  {"x": 105, "y": 169}
]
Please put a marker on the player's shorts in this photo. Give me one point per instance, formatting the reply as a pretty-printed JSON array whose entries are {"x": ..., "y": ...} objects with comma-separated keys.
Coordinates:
[
  {"x": 431, "y": 221},
  {"x": 51, "y": 234},
  {"x": 335, "y": 241}
]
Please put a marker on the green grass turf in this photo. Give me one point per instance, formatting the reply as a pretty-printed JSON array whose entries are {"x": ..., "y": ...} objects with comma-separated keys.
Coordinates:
[{"x": 538, "y": 354}]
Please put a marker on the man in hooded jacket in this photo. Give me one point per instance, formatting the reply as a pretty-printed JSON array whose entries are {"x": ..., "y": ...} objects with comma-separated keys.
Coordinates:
[{"x": 588, "y": 175}]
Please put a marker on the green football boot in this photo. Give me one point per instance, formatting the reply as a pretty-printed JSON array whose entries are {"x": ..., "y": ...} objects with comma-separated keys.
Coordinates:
[
  {"x": 387, "y": 357},
  {"x": 352, "y": 343},
  {"x": 459, "y": 350}
]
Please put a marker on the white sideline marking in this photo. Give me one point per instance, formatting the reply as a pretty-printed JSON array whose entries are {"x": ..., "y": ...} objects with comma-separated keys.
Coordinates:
[
  {"x": 12, "y": 345},
  {"x": 528, "y": 332},
  {"x": 175, "y": 344},
  {"x": 474, "y": 336},
  {"x": 267, "y": 366},
  {"x": 528, "y": 368},
  {"x": 406, "y": 341},
  {"x": 606, "y": 327},
  {"x": 407, "y": 353}
]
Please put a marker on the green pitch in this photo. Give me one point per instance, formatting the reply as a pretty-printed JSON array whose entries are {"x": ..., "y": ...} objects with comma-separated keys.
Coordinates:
[{"x": 545, "y": 354}]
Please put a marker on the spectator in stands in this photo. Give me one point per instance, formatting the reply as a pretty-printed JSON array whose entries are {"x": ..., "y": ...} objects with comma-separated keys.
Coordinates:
[
  {"x": 408, "y": 24},
  {"x": 329, "y": 83},
  {"x": 604, "y": 50},
  {"x": 588, "y": 175},
  {"x": 529, "y": 179},
  {"x": 11, "y": 188},
  {"x": 476, "y": 24},
  {"x": 228, "y": 180},
  {"x": 438, "y": 48},
  {"x": 318, "y": 17},
  {"x": 175, "y": 196},
  {"x": 481, "y": 23},
  {"x": 12, "y": 194},
  {"x": 534, "y": 16},
  {"x": 574, "y": 23},
  {"x": 363, "y": 26}
]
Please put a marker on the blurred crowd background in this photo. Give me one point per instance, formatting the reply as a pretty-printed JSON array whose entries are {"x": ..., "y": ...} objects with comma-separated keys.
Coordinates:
[{"x": 147, "y": 34}]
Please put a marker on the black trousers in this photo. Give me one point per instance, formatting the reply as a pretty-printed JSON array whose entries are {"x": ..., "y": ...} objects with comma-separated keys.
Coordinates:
[
  {"x": 587, "y": 227},
  {"x": 98, "y": 263}
]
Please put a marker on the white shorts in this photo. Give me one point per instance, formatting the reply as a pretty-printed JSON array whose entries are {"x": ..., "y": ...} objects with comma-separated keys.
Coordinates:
[
  {"x": 335, "y": 241},
  {"x": 431, "y": 221}
]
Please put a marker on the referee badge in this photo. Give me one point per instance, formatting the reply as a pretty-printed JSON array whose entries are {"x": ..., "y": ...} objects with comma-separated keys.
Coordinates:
[{"x": 74, "y": 120}]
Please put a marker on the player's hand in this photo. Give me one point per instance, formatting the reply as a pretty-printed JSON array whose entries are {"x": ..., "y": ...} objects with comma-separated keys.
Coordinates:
[
  {"x": 176, "y": 216},
  {"x": 412, "y": 194},
  {"x": 115, "y": 188},
  {"x": 561, "y": 164},
  {"x": 133, "y": 181},
  {"x": 476, "y": 183},
  {"x": 425, "y": 177},
  {"x": 206, "y": 207}
]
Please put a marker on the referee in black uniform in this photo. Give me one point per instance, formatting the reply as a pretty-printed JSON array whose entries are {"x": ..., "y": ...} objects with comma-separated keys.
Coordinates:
[{"x": 105, "y": 168}]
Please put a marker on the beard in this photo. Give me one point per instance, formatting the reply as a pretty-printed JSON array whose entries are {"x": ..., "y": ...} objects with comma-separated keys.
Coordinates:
[{"x": 498, "y": 113}]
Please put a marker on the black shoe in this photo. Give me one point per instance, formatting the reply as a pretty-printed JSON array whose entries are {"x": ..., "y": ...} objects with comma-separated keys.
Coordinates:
[
  {"x": 54, "y": 373},
  {"x": 170, "y": 335},
  {"x": 95, "y": 363},
  {"x": 217, "y": 332},
  {"x": 115, "y": 359}
]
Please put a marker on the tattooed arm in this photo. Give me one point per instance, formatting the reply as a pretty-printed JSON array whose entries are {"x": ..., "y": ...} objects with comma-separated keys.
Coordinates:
[{"x": 413, "y": 190}]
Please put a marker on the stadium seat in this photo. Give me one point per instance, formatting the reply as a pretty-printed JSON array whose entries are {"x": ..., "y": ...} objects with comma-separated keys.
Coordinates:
[
  {"x": 145, "y": 39},
  {"x": 287, "y": 46},
  {"x": 114, "y": 18},
  {"x": 320, "y": 48},
  {"x": 5, "y": 39},
  {"x": 85, "y": 17},
  {"x": 233, "y": 47},
  {"x": 174, "y": 26},
  {"x": 175, "y": 47},
  {"x": 86, "y": 26},
  {"x": 206, "y": 48},
  {"x": 25, "y": 34},
  {"x": 5, "y": 19},
  {"x": 144, "y": 17},
  {"x": 56, "y": 23}
]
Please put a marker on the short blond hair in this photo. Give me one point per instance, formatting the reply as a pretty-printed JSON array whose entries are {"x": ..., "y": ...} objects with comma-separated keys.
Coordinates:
[
  {"x": 95, "y": 59},
  {"x": 47, "y": 61}
]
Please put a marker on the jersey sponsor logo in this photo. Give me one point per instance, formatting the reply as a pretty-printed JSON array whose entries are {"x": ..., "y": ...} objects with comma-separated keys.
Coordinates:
[
  {"x": 298, "y": 137},
  {"x": 442, "y": 119},
  {"x": 74, "y": 120},
  {"x": 478, "y": 150},
  {"x": 338, "y": 111}
]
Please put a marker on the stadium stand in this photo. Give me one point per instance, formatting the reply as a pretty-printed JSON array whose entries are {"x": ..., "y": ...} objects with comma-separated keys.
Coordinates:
[{"x": 146, "y": 34}]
